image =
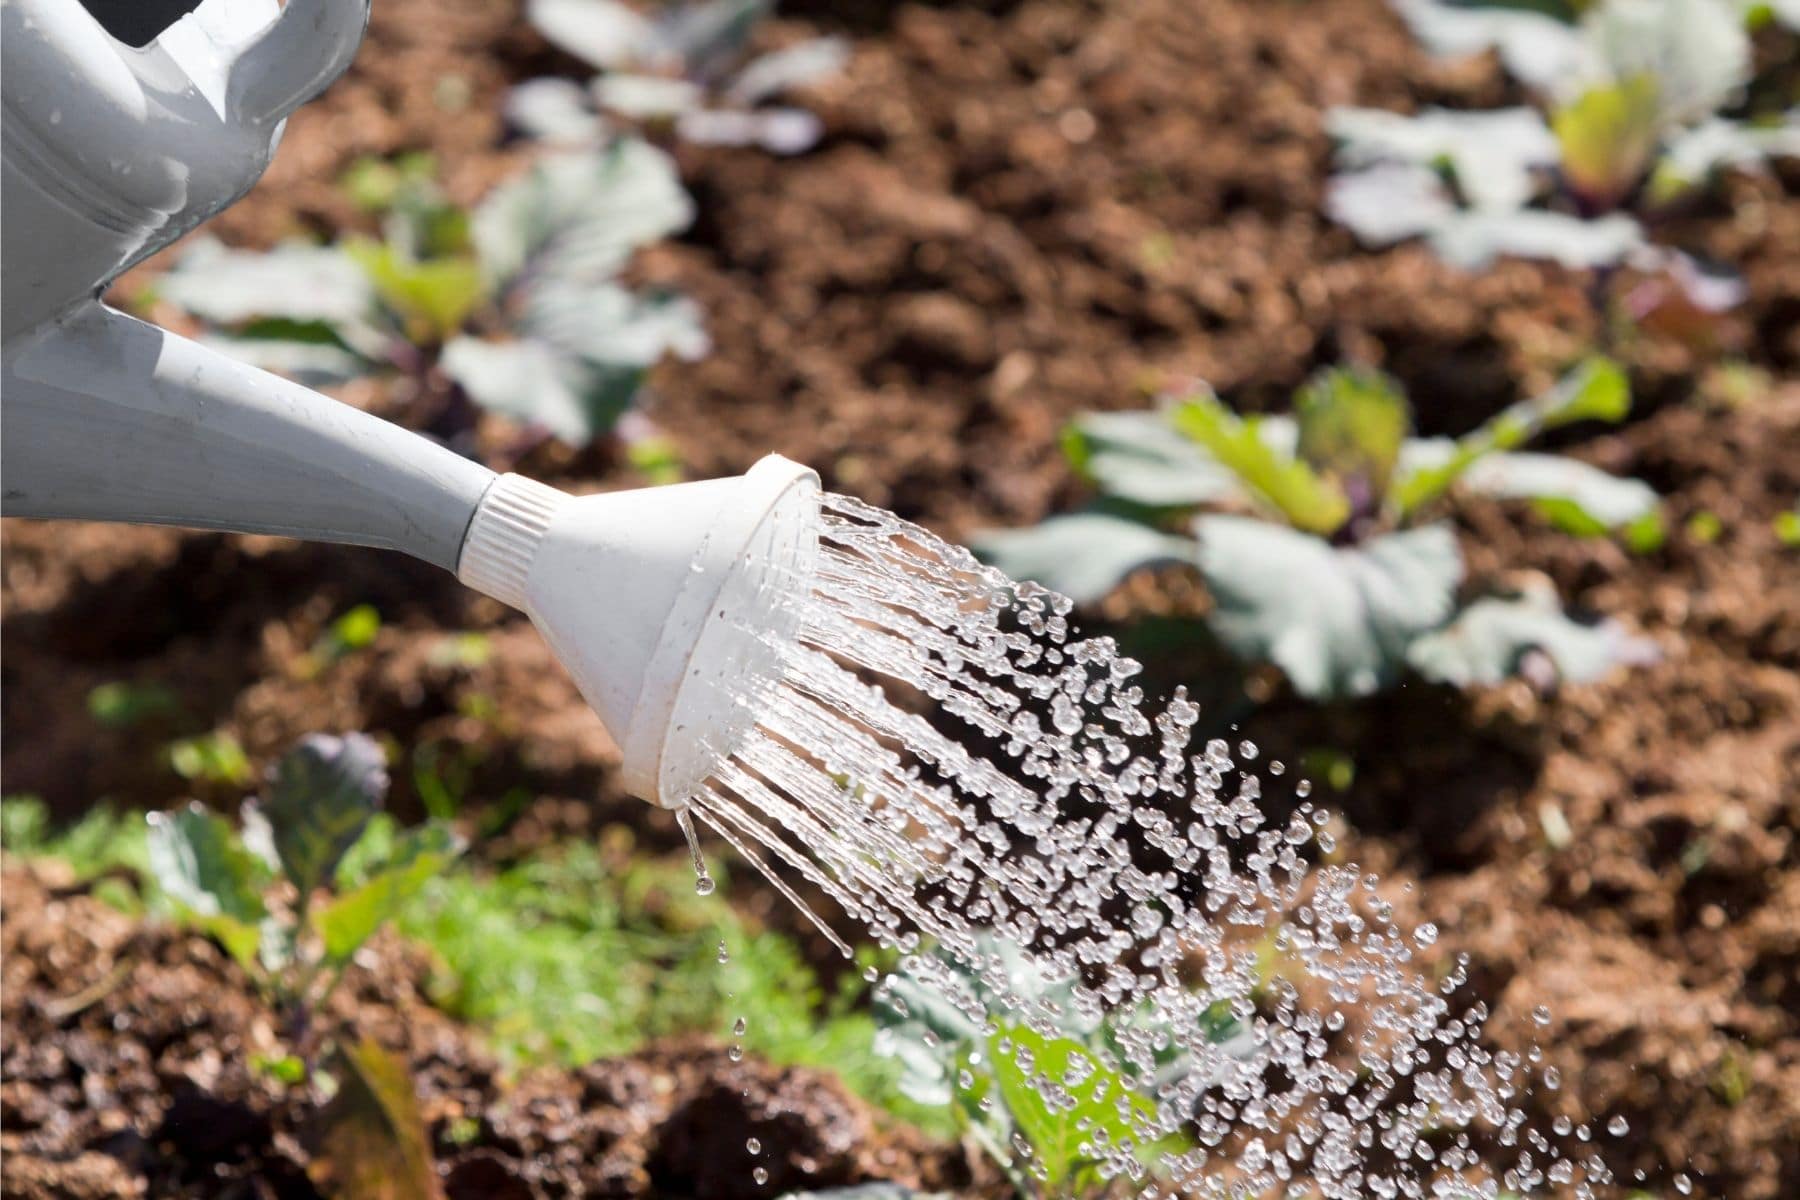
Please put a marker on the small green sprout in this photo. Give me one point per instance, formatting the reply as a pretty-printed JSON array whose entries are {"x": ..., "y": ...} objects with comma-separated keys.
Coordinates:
[
  {"x": 1059, "y": 1111},
  {"x": 1311, "y": 533},
  {"x": 317, "y": 831}
]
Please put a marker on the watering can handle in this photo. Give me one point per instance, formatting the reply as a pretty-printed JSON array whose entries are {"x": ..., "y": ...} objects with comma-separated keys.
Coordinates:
[
  {"x": 307, "y": 47},
  {"x": 108, "y": 418}
]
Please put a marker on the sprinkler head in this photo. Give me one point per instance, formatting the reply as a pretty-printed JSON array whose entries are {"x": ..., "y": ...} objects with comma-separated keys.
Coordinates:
[{"x": 669, "y": 606}]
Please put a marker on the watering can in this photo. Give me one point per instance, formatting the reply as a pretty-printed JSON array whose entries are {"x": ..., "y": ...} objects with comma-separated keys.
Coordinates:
[{"x": 127, "y": 123}]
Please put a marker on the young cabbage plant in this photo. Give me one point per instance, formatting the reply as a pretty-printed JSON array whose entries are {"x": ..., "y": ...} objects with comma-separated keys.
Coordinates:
[
  {"x": 517, "y": 306},
  {"x": 314, "y": 873},
  {"x": 1310, "y": 532},
  {"x": 1629, "y": 120},
  {"x": 685, "y": 65},
  {"x": 1060, "y": 1110}
]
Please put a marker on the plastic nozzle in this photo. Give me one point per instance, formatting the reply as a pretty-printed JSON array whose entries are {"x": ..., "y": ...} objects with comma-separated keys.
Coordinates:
[{"x": 669, "y": 606}]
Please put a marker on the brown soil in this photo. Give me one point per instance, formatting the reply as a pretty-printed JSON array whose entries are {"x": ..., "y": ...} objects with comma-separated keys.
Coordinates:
[
  {"x": 1022, "y": 210},
  {"x": 127, "y": 1074}
]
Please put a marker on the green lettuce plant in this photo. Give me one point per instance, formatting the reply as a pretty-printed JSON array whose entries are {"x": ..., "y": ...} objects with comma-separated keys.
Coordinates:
[
  {"x": 1313, "y": 531},
  {"x": 685, "y": 66},
  {"x": 517, "y": 305},
  {"x": 1630, "y": 96},
  {"x": 314, "y": 873},
  {"x": 998, "y": 1073}
]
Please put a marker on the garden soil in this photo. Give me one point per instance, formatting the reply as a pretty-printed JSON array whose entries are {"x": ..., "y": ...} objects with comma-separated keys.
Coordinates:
[{"x": 1019, "y": 211}]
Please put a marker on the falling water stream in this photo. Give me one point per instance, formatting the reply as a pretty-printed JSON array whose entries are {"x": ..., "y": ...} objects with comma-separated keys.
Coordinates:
[{"x": 943, "y": 760}]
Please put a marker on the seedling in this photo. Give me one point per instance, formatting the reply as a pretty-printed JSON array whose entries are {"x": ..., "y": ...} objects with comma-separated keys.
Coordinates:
[
  {"x": 684, "y": 66},
  {"x": 516, "y": 306},
  {"x": 1628, "y": 121},
  {"x": 311, "y": 878},
  {"x": 1057, "y": 1110},
  {"x": 1310, "y": 530}
]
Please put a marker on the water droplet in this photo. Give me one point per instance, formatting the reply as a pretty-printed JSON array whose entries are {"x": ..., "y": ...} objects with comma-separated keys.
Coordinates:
[
  {"x": 740, "y": 1028},
  {"x": 735, "y": 1054},
  {"x": 753, "y": 1145},
  {"x": 1618, "y": 1126},
  {"x": 761, "y": 1175},
  {"x": 703, "y": 881},
  {"x": 724, "y": 954}
]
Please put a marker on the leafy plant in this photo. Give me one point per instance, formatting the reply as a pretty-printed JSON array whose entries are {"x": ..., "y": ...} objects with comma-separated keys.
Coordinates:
[
  {"x": 1311, "y": 534},
  {"x": 517, "y": 305},
  {"x": 685, "y": 65},
  {"x": 316, "y": 830},
  {"x": 1059, "y": 1110},
  {"x": 1630, "y": 95}
]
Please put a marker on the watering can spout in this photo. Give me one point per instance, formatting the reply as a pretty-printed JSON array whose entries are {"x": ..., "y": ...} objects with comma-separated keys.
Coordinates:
[{"x": 669, "y": 606}]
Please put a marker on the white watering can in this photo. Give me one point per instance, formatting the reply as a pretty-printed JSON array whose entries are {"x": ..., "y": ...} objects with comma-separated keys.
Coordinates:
[{"x": 665, "y": 604}]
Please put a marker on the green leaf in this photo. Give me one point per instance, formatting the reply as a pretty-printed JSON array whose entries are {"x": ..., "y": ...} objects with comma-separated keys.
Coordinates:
[
  {"x": 1493, "y": 153},
  {"x": 1487, "y": 641},
  {"x": 1082, "y": 555},
  {"x": 603, "y": 33},
  {"x": 580, "y": 215},
  {"x": 1576, "y": 497},
  {"x": 323, "y": 795},
  {"x": 355, "y": 629},
  {"x": 537, "y": 384},
  {"x": 1388, "y": 202},
  {"x": 702, "y": 36},
  {"x": 1696, "y": 50},
  {"x": 607, "y": 326},
  {"x": 1352, "y": 425},
  {"x": 1473, "y": 240},
  {"x": 1308, "y": 502},
  {"x": 1336, "y": 620},
  {"x": 346, "y": 921},
  {"x": 434, "y": 296},
  {"x": 202, "y": 867},
  {"x": 284, "y": 1068},
  {"x": 1141, "y": 458},
  {"x": 370, "y": 1142},
  {"x": 1607, "y": 136},
  {"x": 211, "y": 758},
  {"x": 1695, "y": 155},
  {"x": 1092, "y": 1102},
  {"x": 295, "y": 280},
  {"x": 1596, "y": 390},
  {"x": 1536, "y": 40}
]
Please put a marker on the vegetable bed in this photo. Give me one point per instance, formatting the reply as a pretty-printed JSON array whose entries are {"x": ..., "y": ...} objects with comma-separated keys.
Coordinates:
[{"x": 1018, "y": 212}]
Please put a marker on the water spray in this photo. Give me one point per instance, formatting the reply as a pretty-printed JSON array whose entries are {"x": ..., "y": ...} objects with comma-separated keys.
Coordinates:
[{"x": 762, "y": 653}]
